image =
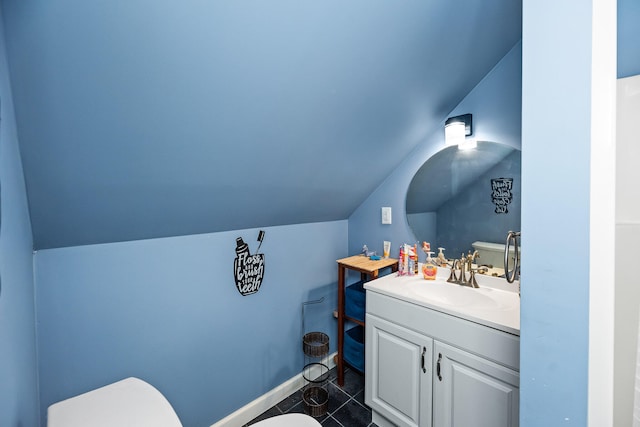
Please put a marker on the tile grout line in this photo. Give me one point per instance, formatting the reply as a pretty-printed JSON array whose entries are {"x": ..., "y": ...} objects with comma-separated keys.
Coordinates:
[
  {"x": 329, "y": 415},
  {"x": 338, "y": 408},
  {"x": 334, "y": 419}
]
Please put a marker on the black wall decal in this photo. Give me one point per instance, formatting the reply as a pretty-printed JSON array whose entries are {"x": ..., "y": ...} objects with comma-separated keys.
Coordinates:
[
  {"x": 501, "y": 194},
  {"x": 248, "y": 269}
]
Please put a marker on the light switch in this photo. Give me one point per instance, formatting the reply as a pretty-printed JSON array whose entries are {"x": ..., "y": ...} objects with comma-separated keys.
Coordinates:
[{"x": 386, "y": 215}]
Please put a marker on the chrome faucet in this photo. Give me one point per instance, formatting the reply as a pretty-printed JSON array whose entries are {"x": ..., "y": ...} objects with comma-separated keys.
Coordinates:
[{"x": 463, "y": 266}]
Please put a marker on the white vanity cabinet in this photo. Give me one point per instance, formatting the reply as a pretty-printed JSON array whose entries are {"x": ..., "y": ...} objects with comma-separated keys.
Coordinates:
[
  {"x": 424, "y": 367},
  {"x": 398, "y": 372},
  {"x": 471, "y": 391}
]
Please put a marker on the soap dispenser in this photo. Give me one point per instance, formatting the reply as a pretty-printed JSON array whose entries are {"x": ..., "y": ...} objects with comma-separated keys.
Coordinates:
[
  {"x": 429, "y": 269},
  {"x": 441, "y": 260}
]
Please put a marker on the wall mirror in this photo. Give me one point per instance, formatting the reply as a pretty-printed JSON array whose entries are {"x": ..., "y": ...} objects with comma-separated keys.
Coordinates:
[{"x": 462, "y": 196}]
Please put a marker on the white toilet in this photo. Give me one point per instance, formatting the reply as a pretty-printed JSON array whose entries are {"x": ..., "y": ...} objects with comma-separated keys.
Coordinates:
[
  {"x": 135, "y": 403},
  {"x": 492, "y": 253}
]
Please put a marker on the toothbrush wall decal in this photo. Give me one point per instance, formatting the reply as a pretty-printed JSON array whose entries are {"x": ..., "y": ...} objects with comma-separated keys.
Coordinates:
[
  {"x": 248, "y": 270},
  {"x": 501, "y": 194}
]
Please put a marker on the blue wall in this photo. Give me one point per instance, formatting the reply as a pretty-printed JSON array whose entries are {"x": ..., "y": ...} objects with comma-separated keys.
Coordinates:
[
  {"x": 495, "y": 105},
  {"x": 628, "y": 38},
  {"x": 167, "y": 311},
  {"x": 554, "y": 345},
  {"x": 18, "y": 375}
]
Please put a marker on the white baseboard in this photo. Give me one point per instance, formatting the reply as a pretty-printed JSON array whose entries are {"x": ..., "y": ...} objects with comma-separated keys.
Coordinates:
[{"x": 269, "y": 399}]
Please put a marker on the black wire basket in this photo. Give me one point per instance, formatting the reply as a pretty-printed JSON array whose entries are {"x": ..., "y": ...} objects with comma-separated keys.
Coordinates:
[
  {"x": 315, "y": 344},
  {"x": 316, "y": 401}
]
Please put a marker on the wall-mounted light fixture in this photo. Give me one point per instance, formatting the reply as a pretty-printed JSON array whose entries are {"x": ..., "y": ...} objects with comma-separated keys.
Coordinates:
[{"x": 456, "y": 129}]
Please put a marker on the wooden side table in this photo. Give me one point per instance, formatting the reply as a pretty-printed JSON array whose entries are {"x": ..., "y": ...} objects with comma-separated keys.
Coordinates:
[{"x": 368, "y": 269}]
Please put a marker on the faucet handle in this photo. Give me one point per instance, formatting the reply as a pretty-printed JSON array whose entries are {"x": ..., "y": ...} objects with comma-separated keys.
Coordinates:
[
  {"x": 472, "y": 278},
  {"x": 453, "y": 278},
  {"x": 463, "y": 266}
]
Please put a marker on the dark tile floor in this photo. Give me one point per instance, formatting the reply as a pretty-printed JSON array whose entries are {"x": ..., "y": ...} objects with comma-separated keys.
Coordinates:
[{"x": 346, "y": 404}]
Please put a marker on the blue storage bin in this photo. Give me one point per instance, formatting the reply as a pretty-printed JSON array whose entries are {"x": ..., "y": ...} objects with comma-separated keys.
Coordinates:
[
  {"x": 354, "y": 301},
  {"x": 354, "y": 347}
]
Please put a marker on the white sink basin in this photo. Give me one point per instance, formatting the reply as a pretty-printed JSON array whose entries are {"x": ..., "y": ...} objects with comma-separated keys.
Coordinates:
[{"x": 445, "y": 293}]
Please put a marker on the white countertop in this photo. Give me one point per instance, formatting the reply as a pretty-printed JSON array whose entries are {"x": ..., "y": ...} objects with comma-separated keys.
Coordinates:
[{"x": 495, "y": 304}]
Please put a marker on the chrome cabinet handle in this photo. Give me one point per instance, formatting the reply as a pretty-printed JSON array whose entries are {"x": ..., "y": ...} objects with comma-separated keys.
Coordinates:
[
  {"x": 424, "y": 350},
  {"x": 438, "y": 366}
]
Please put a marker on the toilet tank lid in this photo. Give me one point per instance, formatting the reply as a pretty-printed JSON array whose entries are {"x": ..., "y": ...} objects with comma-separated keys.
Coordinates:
[
  {"x": 488, "y": 246},
  {"x": 129, "y": 402}
]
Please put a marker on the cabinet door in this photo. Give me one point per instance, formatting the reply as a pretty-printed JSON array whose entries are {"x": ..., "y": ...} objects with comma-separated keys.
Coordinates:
[
  {"x": 472, "y": 391},
  {"x": 398, "y": 365}
]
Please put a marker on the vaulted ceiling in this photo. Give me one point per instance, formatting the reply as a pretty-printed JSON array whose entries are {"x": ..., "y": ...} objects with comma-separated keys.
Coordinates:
[{"x": 151, "y": 118}]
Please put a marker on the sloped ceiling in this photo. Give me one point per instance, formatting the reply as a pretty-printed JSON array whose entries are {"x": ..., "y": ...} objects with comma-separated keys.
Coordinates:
[{"x": 150, "y": 118}]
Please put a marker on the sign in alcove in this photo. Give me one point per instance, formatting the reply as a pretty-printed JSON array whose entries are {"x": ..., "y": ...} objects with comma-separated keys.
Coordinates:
[
  {"x": 248, "y": 270},
  {"x": 501, "y": 194}
]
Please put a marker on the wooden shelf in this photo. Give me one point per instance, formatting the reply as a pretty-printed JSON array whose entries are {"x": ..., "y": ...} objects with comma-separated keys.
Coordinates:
[{"x": 369, "y": 270}]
